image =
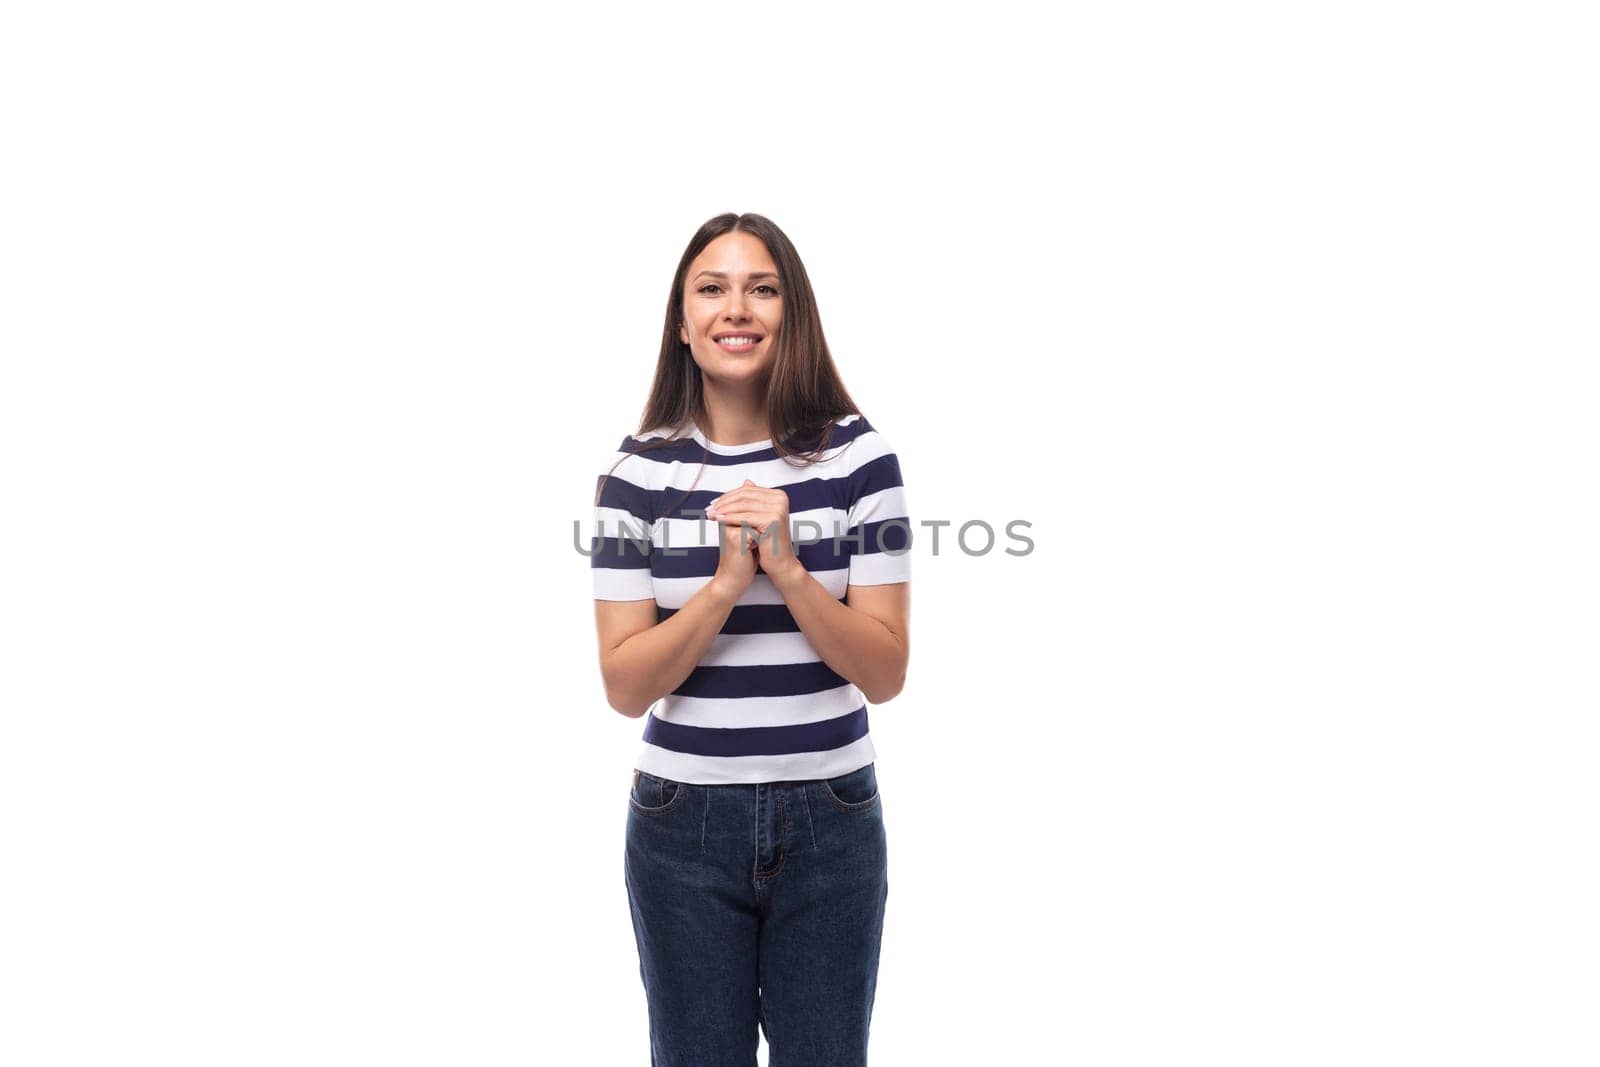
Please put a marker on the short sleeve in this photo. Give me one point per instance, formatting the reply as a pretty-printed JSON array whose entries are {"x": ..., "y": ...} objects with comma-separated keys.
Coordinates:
[
  {"x": 879, "y": 521},
  {"x": 619, "y": 548}
]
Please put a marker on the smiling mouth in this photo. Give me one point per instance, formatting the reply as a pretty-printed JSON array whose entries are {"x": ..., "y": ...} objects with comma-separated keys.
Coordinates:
[{"x": 738, "y": 342}]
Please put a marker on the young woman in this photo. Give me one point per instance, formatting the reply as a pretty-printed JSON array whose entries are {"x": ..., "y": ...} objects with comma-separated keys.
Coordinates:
[{"x": 751, "y": 578}]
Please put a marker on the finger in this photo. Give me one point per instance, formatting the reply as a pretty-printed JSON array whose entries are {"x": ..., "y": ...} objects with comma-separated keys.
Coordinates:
[
  {"x": 758, "y": 522},
  {"x": 737, "y": 498},
  {"x": 758, "y": 514},
  {"x": 771, "y": 499},
  {"x": 739, "y": 533}
]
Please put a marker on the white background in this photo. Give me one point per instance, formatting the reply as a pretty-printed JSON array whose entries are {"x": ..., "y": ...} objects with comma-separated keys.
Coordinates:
[{"x": 1276, "y": 321}]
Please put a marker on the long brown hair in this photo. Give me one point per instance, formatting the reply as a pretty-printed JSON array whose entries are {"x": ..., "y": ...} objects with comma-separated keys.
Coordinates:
[{"x": 805, "y": 394}]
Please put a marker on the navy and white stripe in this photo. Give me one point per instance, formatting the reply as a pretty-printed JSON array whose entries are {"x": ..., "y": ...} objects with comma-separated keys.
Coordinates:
[{"x": 761, "y": 706}]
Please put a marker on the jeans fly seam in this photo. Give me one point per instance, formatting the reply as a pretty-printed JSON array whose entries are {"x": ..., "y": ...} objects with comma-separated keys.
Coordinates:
[
  {"x": 811, "y": 826},
  {"x": 783, "y": 839}
]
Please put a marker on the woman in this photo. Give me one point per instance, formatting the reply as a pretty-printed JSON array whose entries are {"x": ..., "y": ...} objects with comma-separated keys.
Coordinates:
[{"x": 756, "y": 862}]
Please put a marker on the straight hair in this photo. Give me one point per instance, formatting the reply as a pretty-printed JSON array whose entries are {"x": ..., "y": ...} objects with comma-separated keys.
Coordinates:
[{"x": 805, "y": 395}]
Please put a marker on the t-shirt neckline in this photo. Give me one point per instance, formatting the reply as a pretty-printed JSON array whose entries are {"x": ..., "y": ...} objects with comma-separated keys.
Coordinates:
[{"x": 726, "y": 450}]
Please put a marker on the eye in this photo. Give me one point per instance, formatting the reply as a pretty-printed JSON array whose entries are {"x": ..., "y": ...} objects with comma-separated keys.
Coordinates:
[
  {"x": 768, "y": 288},
  {"x": 708, "y": 285}
]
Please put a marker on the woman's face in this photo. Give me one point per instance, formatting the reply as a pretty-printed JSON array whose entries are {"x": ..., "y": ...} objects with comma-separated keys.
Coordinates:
[{"x": 732, "y": 292}]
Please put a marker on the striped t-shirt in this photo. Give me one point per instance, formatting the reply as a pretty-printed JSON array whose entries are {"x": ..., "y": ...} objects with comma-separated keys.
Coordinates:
[{"x": 760, "y": 706}]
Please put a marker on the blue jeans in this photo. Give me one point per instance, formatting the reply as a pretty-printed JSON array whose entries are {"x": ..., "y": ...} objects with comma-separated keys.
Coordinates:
[{"x": 757, "y": 905}]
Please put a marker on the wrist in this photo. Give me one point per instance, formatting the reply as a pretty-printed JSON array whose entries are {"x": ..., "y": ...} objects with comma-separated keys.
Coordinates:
[
  {"x": 725, "y": 589},
  {"x": 787, "y": 576}
]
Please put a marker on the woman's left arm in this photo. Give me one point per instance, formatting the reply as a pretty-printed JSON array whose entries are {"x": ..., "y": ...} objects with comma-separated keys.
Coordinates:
[{"x": 865, "y": 638}]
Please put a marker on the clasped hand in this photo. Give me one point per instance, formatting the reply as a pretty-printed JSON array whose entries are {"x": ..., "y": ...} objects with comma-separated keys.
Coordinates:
[{"x": 763, "y": 509}]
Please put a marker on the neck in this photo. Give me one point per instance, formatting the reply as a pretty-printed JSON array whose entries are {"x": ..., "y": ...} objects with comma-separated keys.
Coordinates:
[{"x": 734, "y": 415}]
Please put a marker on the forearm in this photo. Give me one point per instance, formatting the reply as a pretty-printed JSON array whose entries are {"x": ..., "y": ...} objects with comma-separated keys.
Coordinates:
[
  {"x": 852, "y": 643},
  {"x": 653, "y": 662}
]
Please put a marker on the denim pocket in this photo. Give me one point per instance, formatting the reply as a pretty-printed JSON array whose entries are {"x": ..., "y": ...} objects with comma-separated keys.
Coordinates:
[
  {"x": 855, "y": 790},
  {"x": 654, "y": 795}
]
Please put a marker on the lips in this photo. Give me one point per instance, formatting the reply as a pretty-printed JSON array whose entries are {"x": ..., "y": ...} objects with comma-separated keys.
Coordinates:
[{"x": 737, "y": 342}]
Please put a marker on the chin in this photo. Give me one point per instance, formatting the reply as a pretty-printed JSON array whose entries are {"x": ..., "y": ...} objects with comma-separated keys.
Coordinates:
[
  {"x": 736, "y": 369},
  {"x": 739, "y": 376}
]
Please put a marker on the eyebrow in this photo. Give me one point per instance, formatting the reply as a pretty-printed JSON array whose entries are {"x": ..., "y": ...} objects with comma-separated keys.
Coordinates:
[{"x": 719, "y": 274}]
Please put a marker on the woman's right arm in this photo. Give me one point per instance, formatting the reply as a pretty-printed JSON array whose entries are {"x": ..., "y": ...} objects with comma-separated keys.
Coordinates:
[{"x": 643, "y": 660}]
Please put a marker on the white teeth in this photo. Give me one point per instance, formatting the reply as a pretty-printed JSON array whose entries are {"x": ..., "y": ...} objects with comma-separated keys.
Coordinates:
[{"x": 736, "y": 340}]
